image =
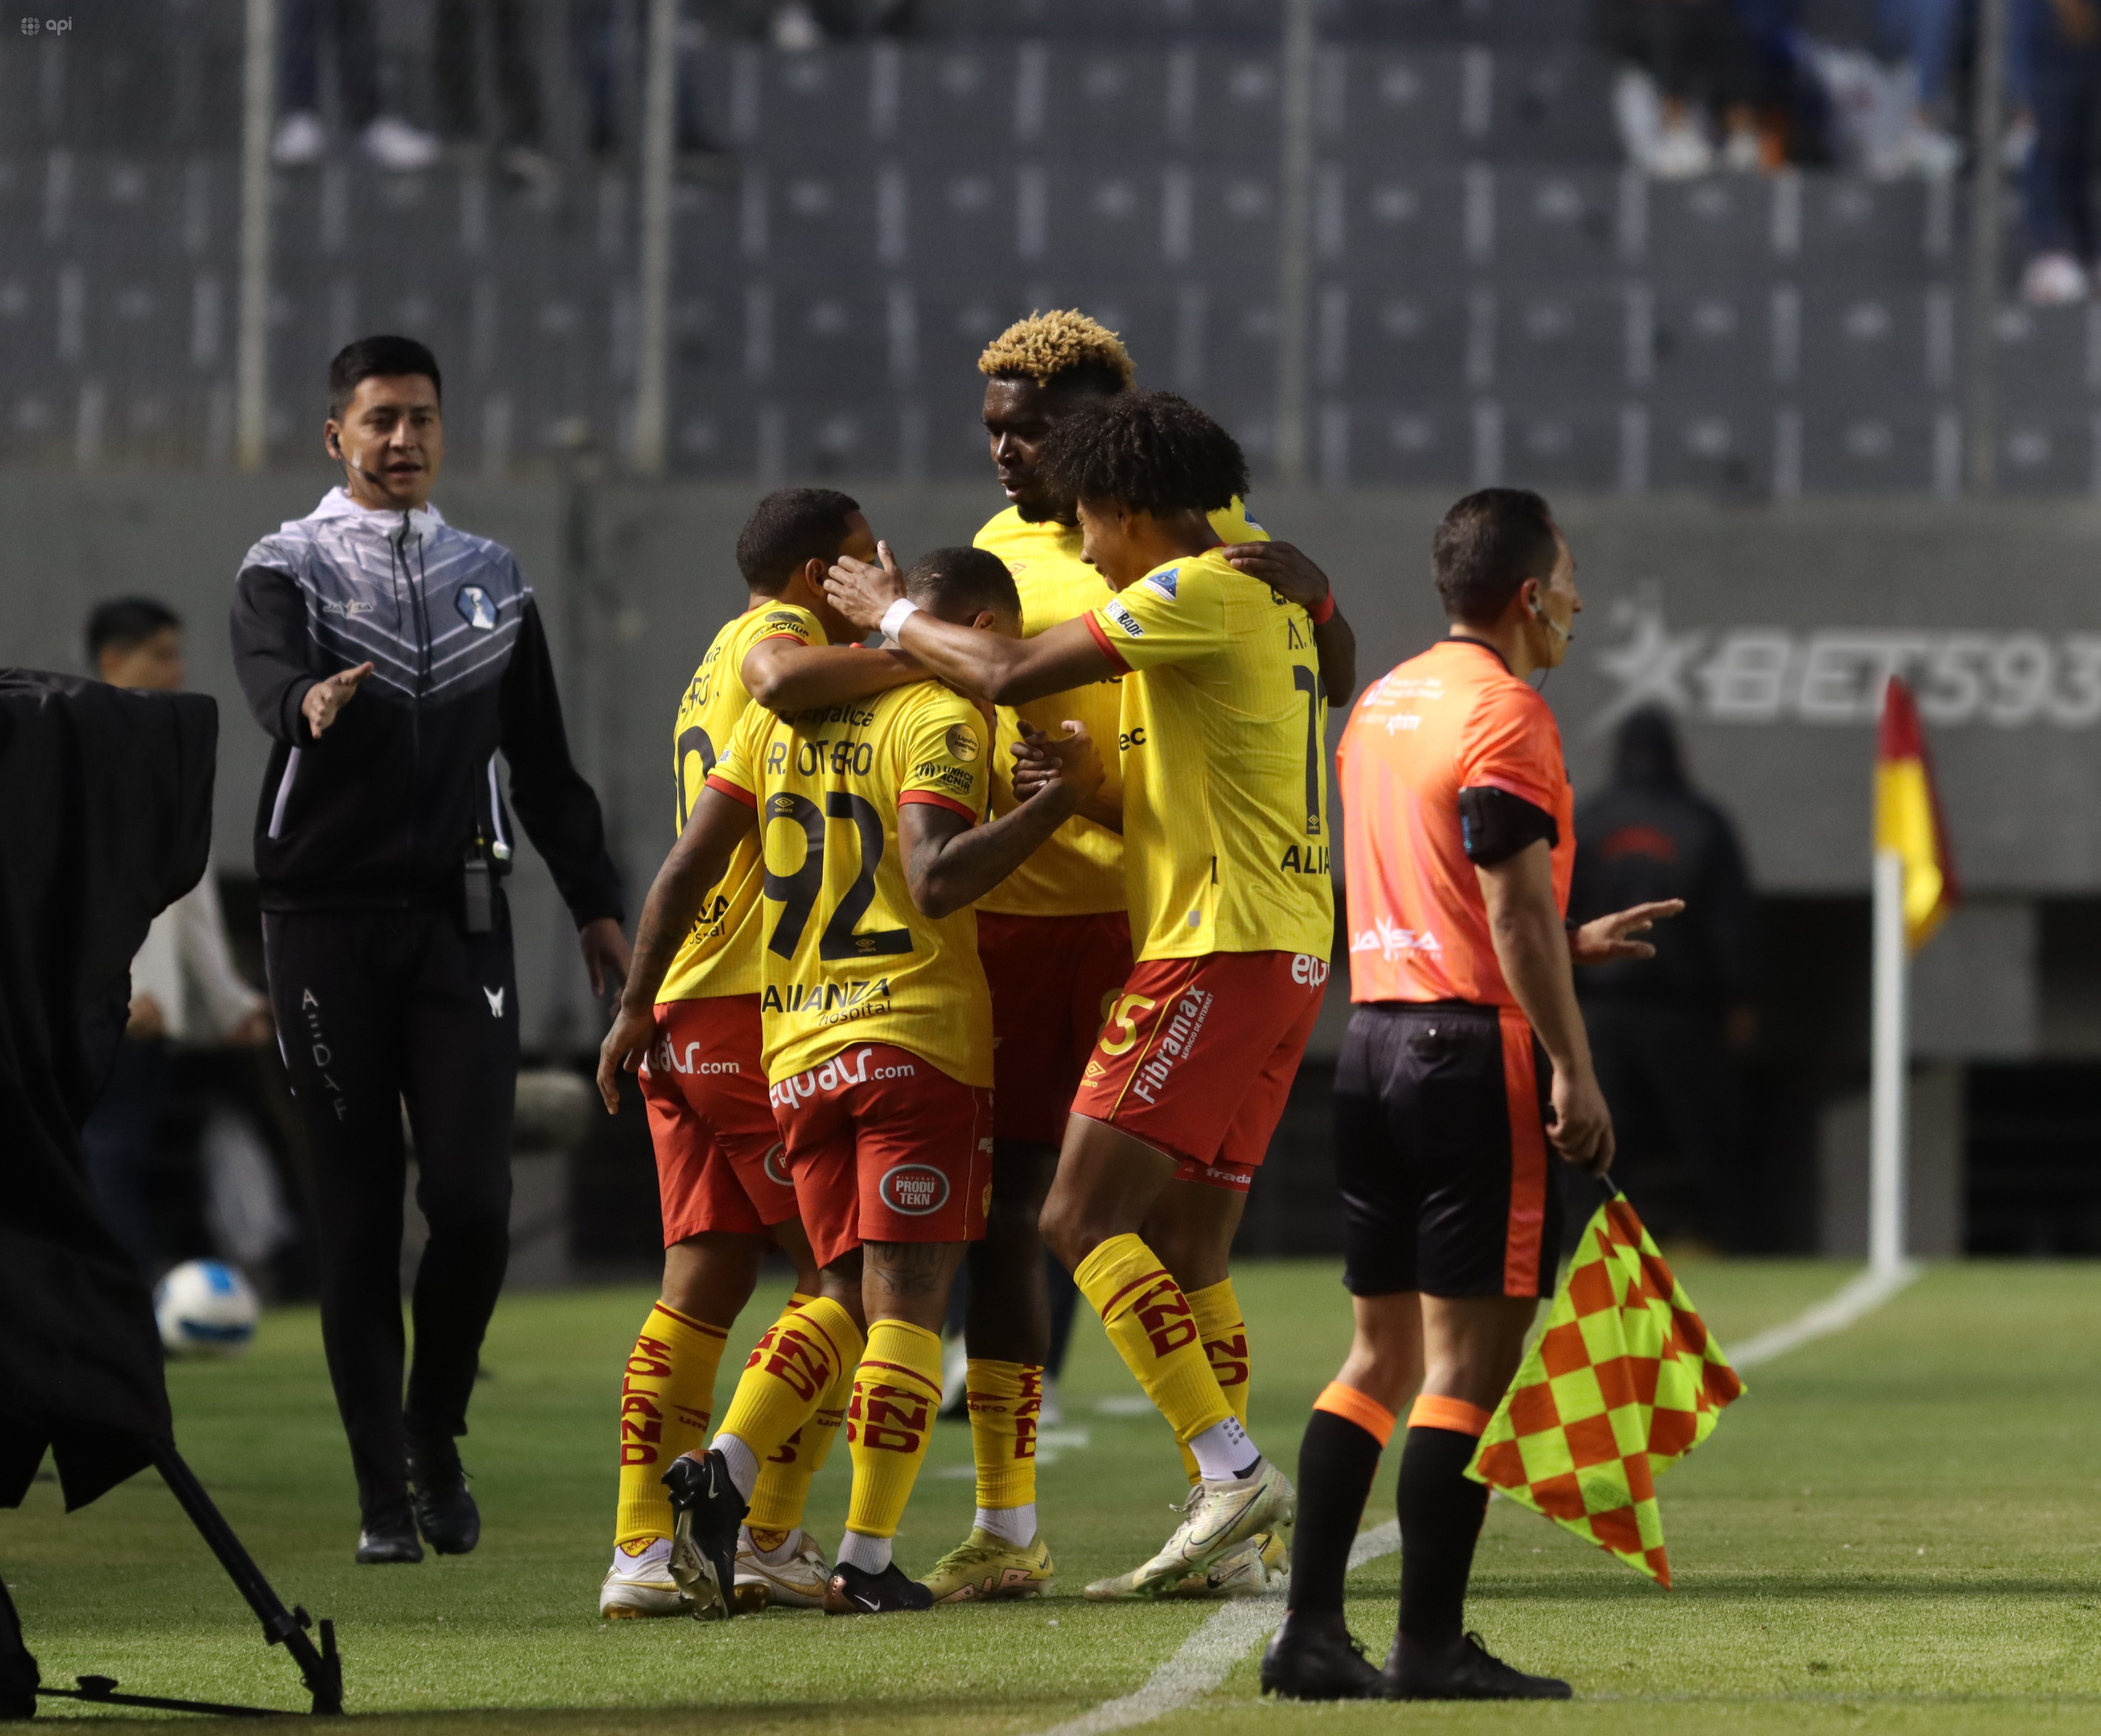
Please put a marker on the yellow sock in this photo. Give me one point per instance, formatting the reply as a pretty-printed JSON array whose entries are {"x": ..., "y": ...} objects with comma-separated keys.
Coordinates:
[
  {"x": 790, "y": 1373},
  {"x": 1223, "y": 1334},
  {"x": 896, "y": 1393},
  {"x": 665, "y": 1399},
  {"x": 783, "y": 1489},
  {"x": 1154, "y": 1329},
  {"x": 1006, "y": 1400}
]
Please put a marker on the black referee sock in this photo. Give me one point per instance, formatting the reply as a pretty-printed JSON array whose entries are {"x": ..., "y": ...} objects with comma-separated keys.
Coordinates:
[
  {"x": 1441, "y": 1510},
  {"x": 1338, "y": 1464}
]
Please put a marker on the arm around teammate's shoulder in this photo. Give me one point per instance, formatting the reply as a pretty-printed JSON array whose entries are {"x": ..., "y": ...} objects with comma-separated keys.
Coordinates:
[
  {"x": 1288, "y": 571},
  {"x": 1532, "y": 946},
  {"x": 950, "y": 863},
  {"x": 785, "y": 675}
]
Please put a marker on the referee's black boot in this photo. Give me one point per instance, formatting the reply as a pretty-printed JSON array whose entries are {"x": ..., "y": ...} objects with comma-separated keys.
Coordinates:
[
  {"x": 1315, "y": 1658},
  {"x": 445, "y": 1512},
  {"x": 388, "y": 1535},
  {"x": 1462, "y": 1669}
]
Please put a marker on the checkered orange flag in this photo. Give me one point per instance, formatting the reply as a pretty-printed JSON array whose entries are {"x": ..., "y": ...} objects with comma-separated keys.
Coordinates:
[{"x": 1625, "y": 1381}]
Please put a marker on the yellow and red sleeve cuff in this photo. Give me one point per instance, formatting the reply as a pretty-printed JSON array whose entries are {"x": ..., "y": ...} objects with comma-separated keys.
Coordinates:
[
  {"x": 735, "y": 792},
  {"x": 934, "y": 798},
  {"x": 1107, "y": 644}
]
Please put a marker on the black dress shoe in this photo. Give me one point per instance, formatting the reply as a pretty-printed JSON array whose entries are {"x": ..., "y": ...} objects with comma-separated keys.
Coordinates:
[
  {"x": 445, "y": 1512},
  {"x": 388, "y": 1537},
  {"x": 705, "y": 1512},
  {"x": 1462, "y": 1669},
  {"x": 855, "y": 1590},
  {"x": 1314, "y": 1658}
]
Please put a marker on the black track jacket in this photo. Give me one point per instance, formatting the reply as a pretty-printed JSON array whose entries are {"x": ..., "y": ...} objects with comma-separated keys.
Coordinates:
[{"x": 383, "y": 810}]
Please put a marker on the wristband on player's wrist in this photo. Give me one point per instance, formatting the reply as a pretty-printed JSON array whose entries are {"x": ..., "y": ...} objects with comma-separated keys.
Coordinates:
[
  {"x": 895, "y": 616},
  {"x": 1323, "y": 610}
]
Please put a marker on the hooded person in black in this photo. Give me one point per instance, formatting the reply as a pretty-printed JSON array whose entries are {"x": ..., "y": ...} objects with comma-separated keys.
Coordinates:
[
  {"x": 1666, "y": 1032},
  {"x": 393, "y": 657}
]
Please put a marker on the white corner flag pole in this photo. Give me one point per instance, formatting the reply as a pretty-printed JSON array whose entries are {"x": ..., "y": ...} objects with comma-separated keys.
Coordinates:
[{"x": 1886, "y": 1133}]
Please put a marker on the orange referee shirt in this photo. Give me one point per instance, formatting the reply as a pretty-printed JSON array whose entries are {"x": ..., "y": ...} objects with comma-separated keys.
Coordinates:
[{"x": 1453, "y": 719}]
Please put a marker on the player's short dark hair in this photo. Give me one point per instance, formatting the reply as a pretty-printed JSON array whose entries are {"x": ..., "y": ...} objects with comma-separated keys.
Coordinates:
[
  {"x": 1150, "y": 450},
  {"x": 122, "y": 622},
  {"x": 1489, "y": 544},
  {"x": 789, "y": 529},
  {"x": 955, "y": 584},
  {"x": 379, "y": 358}
]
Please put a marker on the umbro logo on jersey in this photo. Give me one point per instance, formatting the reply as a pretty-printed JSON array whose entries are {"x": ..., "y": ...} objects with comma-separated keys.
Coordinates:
[
  {"x": 1164, "y": 582},
  {"x": 476, "y": 608},
  {"x": 332, "y": 606}
]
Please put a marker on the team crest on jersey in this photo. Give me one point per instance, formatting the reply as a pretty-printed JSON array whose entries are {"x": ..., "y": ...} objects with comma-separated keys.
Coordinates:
[
  {"x": 476, "y": 608},
  {"x": 963, "y": 742},
  {"x": 1164, "y": 582},
  {"x": 775, "y": 1165},
  {"x": 914, "y": 1189}
]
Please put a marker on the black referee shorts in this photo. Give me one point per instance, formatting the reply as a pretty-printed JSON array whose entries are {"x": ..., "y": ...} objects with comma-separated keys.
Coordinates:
[{"x": 1440, "y": 1143}]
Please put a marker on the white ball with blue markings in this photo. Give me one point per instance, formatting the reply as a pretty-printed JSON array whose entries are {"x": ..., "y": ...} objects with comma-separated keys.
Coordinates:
[{"x": 205, "y": 1308}]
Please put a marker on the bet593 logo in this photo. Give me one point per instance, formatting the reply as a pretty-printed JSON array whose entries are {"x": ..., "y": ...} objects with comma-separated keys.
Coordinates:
[{"x": 1835, "y": 675}]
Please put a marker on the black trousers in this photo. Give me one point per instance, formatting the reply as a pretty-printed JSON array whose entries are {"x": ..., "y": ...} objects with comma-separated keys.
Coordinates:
[
  {"x": 1677, "y": 1106},
  {"x": 377, "y": 1008}
]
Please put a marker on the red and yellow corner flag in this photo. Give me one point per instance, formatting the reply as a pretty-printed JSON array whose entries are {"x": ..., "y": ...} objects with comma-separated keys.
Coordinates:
[
  {"x": 1907, "y": 819},
  {"x": 1623, "y": 1383}
]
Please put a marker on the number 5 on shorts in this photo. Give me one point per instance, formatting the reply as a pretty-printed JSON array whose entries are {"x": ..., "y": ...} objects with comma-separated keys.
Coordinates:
[{"x": 1121, "y": 1031}]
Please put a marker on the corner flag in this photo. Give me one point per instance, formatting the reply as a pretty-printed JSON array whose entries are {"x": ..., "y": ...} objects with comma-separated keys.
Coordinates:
[
  {"x": 1907, "y": 817},
  {"x": 1624, "y": 1382}
]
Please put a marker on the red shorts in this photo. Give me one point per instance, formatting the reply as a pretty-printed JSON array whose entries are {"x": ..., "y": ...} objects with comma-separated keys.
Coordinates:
[
  {"x": 719, "y": 1153},
  {"x": 885, "y": 1148},
  {"x": 1198, "y": 1056},
  {"x": 1052, "y": 979}
]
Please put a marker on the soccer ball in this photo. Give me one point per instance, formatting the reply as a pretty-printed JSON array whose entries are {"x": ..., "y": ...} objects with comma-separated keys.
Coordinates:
[{"x": 204, "y": 1308}]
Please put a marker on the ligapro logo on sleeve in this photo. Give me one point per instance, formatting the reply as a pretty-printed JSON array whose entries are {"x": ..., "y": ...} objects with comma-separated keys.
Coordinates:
[{"x": 1835, "y": 675}]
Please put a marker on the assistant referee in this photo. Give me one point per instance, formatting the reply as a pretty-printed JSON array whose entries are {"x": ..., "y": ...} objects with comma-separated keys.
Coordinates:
[
  {"x": 1464, "y": 1073},
  {"x": 392, "y": 658}
]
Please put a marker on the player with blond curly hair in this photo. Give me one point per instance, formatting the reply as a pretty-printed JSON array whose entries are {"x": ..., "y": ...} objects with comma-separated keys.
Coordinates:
[{"x": 1056, "y": 943}]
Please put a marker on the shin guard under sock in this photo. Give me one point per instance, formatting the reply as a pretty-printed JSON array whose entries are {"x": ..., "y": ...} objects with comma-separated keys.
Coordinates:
[
  {"x": 1222, "y": 1332},
  {"x": 1154, "y": 1329},
  {"x": 665, "y": 1396},
  {"x": 890, "y": 1423},
  {"x": 1338, "y": 1464},
  {"x": 783, "y": 1489},
  {"x": 1005, "y": 1399},
  {"x": 788, "y": 1375},
  {"x": 1441, "y": 1509}
]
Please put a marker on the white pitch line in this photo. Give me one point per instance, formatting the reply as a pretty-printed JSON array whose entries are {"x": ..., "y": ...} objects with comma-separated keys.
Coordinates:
[
  {"x": 1207, "y": 1657},
  {"x": 1834, "y": 1313}
]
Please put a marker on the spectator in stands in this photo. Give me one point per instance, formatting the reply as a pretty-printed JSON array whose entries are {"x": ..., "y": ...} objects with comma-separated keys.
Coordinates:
[
  {"x": 597, "y": 39},
  {"x": 302, "y": 136},
  {"x": 1687, "y": 65},
  {"x": 509, "y": 26},
  {"x": 183, "y": 984},
  {"x": 2060, "y": 41},
  {"x": 1666, "y": 1032}
]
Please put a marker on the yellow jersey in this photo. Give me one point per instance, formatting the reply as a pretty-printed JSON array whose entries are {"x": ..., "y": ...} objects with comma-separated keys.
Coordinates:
[
  {"x": 720, "y": 955},
  {"x": 845, "y": 956},
  {"x": 1079, "y": 870},
  {"x": 1225, "y": 775}
]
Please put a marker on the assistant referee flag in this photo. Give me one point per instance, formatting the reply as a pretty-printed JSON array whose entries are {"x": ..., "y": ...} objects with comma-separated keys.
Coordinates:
[
  {"x": 1625, "y": 1381},
  {"x": 1907, "y": 817}
]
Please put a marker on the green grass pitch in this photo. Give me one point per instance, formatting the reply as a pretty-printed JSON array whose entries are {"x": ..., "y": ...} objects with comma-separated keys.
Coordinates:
[{"x": 1900, "y": 1529}]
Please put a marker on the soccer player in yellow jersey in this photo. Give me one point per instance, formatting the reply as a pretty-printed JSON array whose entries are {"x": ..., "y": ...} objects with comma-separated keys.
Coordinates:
[
  {"x": 724, "y": 1190},
  {"x": 1224, "y": 816},
  {"x": 1055, "y": 939},
  {"x": 878, "y": 1041}
]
